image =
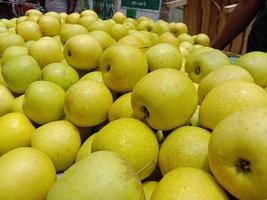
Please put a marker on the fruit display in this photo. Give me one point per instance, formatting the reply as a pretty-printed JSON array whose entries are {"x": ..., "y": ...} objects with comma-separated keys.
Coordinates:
[{"x": 127, "y": 109}]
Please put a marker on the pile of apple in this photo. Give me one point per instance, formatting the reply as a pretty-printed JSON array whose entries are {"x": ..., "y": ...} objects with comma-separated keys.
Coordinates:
[{"x": 128, "y": 109}]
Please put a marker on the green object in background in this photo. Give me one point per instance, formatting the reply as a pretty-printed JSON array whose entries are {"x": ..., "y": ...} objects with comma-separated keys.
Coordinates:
[
  {"x": 142, "y": 4},
  {"x": 131, "y": 13}
]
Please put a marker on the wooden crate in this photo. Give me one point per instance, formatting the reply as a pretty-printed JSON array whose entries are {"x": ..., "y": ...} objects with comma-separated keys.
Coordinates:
[{"x": 209, "y": 16}]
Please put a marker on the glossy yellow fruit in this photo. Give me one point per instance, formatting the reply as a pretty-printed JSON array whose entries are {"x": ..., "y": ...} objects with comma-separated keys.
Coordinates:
[
  {"x": 228, "y": 97},
  {"x": 121, "y": 108},
  {"x": 103, "y": 38},
  {"x": 91, "y": 178},
  {"x": 168, "y": 38},
  {"x": 185, "y": 147},
  {"x": 15, "y": 131},
  {"x": 219, "y": 75},
  {"x": 190, "y": 184},
  {"x": 165, "y": 99},
  {"x": 29, "y": 30},
  {"x": 133, "y": 140},
  {"x": 237, "y": 153},
  {"x": 149, "y": 187},
  {"x": 8, "y": 40},
  {"x": 26, "y": 174},
  {"x": 87, "y": 103},
  {"x": 60, "y": 141},
  {"x": 50, "y": 26},
  {"x": 17, "y": 104},
  {"x": 6, "y": 100},
  {"x": 86, "y": 148},
  {"x": 164, "y": 56}
]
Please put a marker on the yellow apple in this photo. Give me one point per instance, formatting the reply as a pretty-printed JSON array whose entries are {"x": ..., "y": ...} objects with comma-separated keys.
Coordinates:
[
  {"x": 29, "y": 30},
  {"x": 50, "y": 26},
  {"x": 69, "y": 30},
  {"x": 79, "y": 48}
]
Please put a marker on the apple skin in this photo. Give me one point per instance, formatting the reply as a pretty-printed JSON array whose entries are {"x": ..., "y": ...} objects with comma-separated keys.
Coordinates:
[{"x": 237, "y": 153}]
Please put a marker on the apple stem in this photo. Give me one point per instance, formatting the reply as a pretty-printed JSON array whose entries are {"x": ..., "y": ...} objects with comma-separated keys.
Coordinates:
[
  {"x": 146, "y": 112},
  {"x": 243, "y": 165},
  {"x": 197, "y": 70}
]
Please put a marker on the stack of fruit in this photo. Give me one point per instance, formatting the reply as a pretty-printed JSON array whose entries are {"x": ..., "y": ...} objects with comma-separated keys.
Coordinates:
[{"x": 127, "y": 109}]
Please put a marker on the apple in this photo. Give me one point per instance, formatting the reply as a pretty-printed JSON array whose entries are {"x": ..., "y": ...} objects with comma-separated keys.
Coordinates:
[
  {"x": 6, "y": 100},
  {"x": 87, "y": 103},
  {"x": 12, "y": 52},
  {"x": 73, "y": 18},
  {"x": 69, "y": 30},
  {"x": 103, "y": 38},
  {"x": 160, "y": 27},
  {"x": 90, "y": 178},
  {"x": 8, "y": 40},
  {"x": 29, "y": 30},
  {"x": 118, "y": 31},
  {"x": 202, "y": 39},
  {"x": 169, "y": 38},
  {"x": 33, "y": 12},
  {"x": 79, "y": 48},
  {"x": 50, "y": 26},
  {"x": 185, "y": 37},
  {"x": 43, "y": 102},
  {"x": 100, "y": 25},
  {"x": 164, "y": 98},
  {"x": 87, "y": 20},
  {"x": 178, "y": 28},
  {"x": 237, "y": 153},
  {"x": 20, "y": 72},
  {"x": 204, "y": 62},
  {"x": 254, "y": 63},
  {"x": 61, "y": 74},
  {"x": 119, "y": 74},
  {"x": 119, "y": 17},
  {"x": 88, "y": 13},
  {"x": 164, "y": 55}
]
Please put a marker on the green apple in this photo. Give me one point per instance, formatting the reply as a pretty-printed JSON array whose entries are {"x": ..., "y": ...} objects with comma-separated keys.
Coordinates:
[
  {"x": 6, "y": 100},
  {"x": 203, "y": 63},
  {"x": 90, "y": 178},
  {"x": 254, "y": 63},
  {"x": 46, "y": 50},
  {"x": 79, "y": 49},
  {"x": 29, "y": 30},
  {"x": 12, "y": 52},
  {"x": 119, "y": 74},
  {"x": 165, "y": 99},
  {"x": 61, "y": 74},
  {"x": 20, "y": 72},
  {"x": 87, "y": 103},
  {"x": 43, "y": 102},
  {"x": 8, "y": 40},
  {"x": 69, "y": 30},
  {"x": 237, "y": 153},
  {"x": 178, "y": 28}
]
